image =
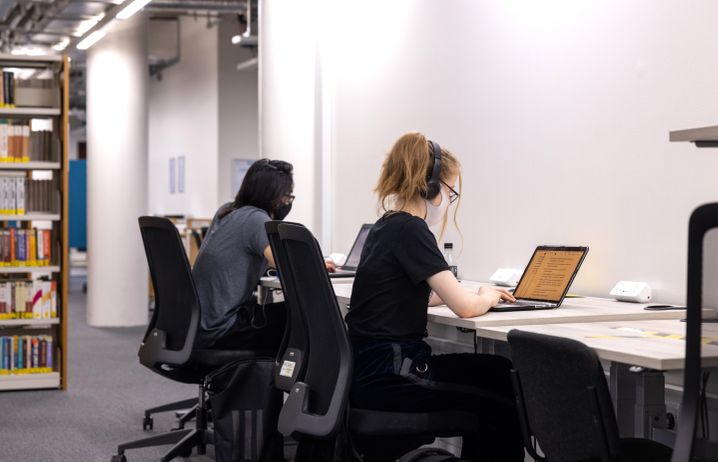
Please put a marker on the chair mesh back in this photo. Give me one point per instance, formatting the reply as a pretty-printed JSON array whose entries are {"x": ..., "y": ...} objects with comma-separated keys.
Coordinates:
[
  {"x": 296, "y": 333},
  {"x": 555, "y": 374},
  {"x": 175, "y": 293},
  {"x": 329, "y": 363}
]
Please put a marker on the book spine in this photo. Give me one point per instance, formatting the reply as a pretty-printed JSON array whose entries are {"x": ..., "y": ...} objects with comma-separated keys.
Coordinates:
[
  {"x": 20, "y": 195},
  {"x": 49, "y": 355},
  {"x": 13, "y": 255},
  {"x": 32, "y": 246},
  {"x": 47, "y": 246},
  {"x": 21, "y": 247},
  {"x": 53, "y": 299},
  {"x": 37, "y": 299},
  {"x": 35, "y": 352},
  {"x": 26, "y": 143},
  {"x": 43, "y": 352},
  {"x": 46, "y": 300}
]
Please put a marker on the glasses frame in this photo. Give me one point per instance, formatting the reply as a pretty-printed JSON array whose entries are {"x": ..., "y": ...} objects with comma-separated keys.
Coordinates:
[{"x": 453, "y": 195}]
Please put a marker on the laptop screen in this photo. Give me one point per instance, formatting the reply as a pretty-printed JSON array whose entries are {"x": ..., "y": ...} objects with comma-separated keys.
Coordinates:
[
  {"x": 352, "y": 260},
  {"x": 549, "y": 273}
]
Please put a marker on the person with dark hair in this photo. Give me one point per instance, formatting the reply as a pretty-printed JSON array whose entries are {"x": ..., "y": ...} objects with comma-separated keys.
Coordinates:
[{"x": 234, "y": 255}]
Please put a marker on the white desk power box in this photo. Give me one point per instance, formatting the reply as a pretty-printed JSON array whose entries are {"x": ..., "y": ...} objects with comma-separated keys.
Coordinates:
[
  {"x": 630, "y": 291},
  {"x": 508, "y": 277}
]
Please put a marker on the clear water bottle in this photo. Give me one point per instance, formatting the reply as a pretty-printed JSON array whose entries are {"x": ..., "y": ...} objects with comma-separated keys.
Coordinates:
[{"x": 449, "y": 257}]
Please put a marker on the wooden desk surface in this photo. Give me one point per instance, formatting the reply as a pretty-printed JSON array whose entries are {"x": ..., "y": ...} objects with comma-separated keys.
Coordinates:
[{"x": 656, "y": 344}]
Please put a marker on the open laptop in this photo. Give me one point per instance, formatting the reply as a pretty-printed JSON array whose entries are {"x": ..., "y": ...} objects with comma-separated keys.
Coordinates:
[
  {"x": 349, "y": 268},
  {"x": 546, "y": 278}
]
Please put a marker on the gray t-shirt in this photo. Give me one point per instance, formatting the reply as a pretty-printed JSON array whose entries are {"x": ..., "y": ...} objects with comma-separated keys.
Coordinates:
[{"x": 228, "y": 267}]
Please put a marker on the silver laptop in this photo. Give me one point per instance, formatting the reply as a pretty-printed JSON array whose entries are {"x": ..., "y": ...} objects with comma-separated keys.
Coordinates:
[
  {"x": 349, "y": 268},
  {"x": 546, "y": 278}
]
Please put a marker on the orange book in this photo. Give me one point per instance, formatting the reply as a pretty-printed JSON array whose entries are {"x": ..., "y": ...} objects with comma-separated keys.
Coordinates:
[
  {"x": 31, "y": 247},
  {"x": 47, "y": 244}
]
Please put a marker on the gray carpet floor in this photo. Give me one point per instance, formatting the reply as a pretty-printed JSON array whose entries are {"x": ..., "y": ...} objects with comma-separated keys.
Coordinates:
[{"x": 103, "y": 406}]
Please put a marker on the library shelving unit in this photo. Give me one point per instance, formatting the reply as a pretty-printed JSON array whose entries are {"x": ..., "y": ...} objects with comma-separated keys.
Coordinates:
[{"x": 34, "y": 260}]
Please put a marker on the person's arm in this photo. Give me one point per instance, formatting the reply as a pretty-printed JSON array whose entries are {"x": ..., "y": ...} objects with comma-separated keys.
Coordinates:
[
  {"x": 435, "y": 300},
  {"x": 328, "y": 263},
  {"x": 462, "y": 302},
  {"x": 269, "y": 257}
]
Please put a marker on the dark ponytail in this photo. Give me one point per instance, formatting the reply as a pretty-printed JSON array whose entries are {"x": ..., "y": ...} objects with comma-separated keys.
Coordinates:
[{"x": 264, "y": 184}]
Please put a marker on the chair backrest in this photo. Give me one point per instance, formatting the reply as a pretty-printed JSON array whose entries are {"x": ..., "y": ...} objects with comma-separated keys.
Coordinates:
[
  {"x": 171, "y": 333},
  {"x": 703, "y": 220},
  {"x": 293, "y": 350},
  {"x": 317, "y": 402},
  {"x": 566, "y": 398}
]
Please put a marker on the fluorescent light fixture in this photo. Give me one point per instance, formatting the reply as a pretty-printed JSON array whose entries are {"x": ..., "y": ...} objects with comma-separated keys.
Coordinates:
[
  {"x": 91, "y": 39},
  {"x": 87, "y": 25},
  {"x": 61, "y": 45},
  {"x": 132, "y": 8}
]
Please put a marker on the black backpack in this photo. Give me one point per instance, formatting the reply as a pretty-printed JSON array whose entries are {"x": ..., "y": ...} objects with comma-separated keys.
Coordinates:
[
  {"x": 429, "y": 455},
  {"x": 245, "y": 409}
]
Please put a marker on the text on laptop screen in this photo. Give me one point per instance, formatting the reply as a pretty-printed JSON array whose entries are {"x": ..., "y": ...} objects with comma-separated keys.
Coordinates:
[
  {"x": 355, "y": 252},
  {"x": 548, "y": 274}
]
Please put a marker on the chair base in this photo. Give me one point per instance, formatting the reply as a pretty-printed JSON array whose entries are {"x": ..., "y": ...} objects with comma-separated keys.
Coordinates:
[
  {"x": 184, "y": 440},
  {"x": 147, "y": 421}
]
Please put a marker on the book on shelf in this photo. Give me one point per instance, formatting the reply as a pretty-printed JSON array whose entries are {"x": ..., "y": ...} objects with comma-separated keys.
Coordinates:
[
  {"x": 25, "y": 247},
  {"x": 20, "y": 195},
  {"x": 18, "y": 143},
  {"x": 28, "y": 299},
  {"x": 7, "y": 95},
  {"x": 26, "y": 354}
]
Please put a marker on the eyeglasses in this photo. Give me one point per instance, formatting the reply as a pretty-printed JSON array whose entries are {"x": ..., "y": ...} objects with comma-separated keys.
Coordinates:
[
  {"x": 453, "y": 195},
  {"x": 290, "y": 197}
]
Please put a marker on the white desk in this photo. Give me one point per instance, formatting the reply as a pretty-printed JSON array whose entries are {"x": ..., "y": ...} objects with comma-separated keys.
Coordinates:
[
  {"x": 572, "y": 310},
  {"x": 652, "y": 345},
  {"x": 657, "y": 344}
]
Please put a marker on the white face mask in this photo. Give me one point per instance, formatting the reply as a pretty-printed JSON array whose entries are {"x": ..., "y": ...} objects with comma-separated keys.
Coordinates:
[{"x": 435, "y": 213}]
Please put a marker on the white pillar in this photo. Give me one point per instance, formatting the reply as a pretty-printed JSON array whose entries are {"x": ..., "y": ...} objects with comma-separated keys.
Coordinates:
[
  {"x": 117, "y": 75},
  {"x": 291, "y": 105}
]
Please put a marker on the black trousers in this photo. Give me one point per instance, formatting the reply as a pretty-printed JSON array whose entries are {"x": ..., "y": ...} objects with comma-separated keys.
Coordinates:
[
  {"x": 256, "y": 328},
  {"x": 407, "y": 377}
]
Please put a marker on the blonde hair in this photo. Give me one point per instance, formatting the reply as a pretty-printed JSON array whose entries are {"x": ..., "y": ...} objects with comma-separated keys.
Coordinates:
[{"x": 405, "y": 172}]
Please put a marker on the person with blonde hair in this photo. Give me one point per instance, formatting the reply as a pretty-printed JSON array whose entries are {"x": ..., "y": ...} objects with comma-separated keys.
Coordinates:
[{"x": 400, "y": 273}]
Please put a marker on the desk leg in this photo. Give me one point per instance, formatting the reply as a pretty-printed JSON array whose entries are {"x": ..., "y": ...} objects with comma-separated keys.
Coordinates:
[
  {"x": 623, "y": 393},
  {"x": 493, "y": 347},
  {"x": 650, "y": 402},
  {"x": 639, "y": 399}
]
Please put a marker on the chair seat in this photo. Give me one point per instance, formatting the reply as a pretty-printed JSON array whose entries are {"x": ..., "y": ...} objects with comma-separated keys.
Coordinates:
[
  {"x": 367, "y": 422},
  {"x": 642, "y": 450}
]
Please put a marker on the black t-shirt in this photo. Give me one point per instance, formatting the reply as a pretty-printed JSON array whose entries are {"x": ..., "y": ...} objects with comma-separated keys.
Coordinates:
[{"x": 390, "y": 293}]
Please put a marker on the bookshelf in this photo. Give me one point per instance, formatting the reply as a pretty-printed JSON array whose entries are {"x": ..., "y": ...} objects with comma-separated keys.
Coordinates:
[{"x": 34, "y": 260}]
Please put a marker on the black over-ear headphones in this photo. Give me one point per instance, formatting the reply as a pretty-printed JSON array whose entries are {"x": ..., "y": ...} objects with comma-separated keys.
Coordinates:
[{"x": 433, "y": 180}]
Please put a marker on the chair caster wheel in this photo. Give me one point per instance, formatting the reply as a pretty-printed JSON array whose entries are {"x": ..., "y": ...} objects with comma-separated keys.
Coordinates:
[
  {"x": 148, "y": 423},
  {"x": 119, "y": 458}
]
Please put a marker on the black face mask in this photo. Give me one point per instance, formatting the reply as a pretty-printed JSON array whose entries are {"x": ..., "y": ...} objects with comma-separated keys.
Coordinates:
[{"x": 282, "y": 211}]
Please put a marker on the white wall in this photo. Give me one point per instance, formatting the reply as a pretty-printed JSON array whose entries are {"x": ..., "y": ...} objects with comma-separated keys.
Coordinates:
[
  {"x": 183, "y": 121},
  {"x": 238, "y": 108},
  {"x": 558, "y": 110},
  {"x": 116, "y": 177}
]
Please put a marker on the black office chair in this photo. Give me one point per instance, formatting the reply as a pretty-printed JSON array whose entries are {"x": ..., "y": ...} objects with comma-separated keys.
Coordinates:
[
  {"x": 564, "y": 403},
  {"x": 168, "y": 345},
  {"x": 317, "y": 406},
  {"x": 290, "y": 362}
]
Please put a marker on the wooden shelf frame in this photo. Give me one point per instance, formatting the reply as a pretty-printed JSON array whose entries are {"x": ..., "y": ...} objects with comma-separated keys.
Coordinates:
[{"x": 60, "y": 271}]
